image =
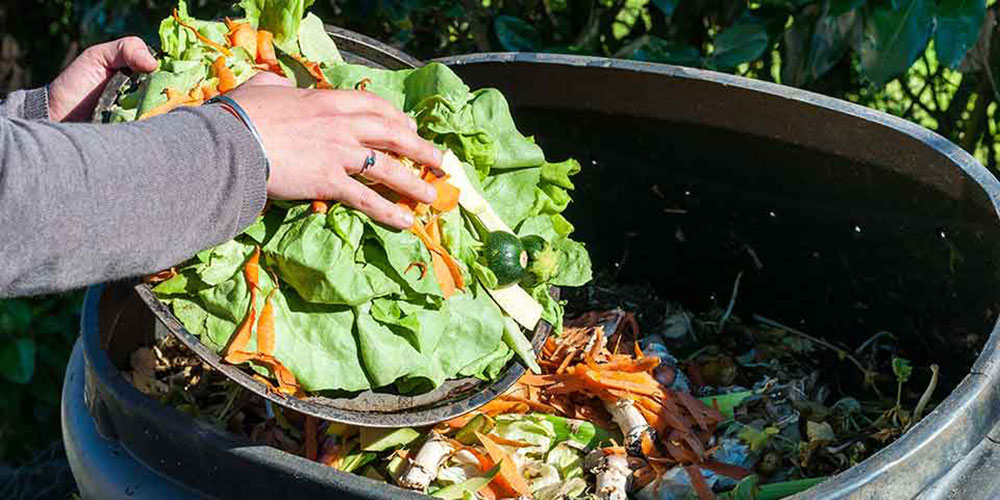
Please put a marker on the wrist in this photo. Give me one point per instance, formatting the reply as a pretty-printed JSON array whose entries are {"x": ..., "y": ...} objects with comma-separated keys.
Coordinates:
[{"x": 231, "y": 106}]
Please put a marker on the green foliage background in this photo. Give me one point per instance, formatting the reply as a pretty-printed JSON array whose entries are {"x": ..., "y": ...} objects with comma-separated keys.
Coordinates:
[{"x": 930, "y": 61}]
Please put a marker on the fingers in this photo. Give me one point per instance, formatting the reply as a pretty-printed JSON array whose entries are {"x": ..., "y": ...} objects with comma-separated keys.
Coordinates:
[
  {"x": 375, "y": 131},
  {"x": 358, "y": 196},
  {"x": 129, "y": 52},
  {"x": 393, "y": 174}
]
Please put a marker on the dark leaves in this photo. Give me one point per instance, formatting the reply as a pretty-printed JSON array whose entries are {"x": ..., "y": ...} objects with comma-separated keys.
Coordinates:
[
  {"x": 814, "y": 44},
  {"x": 738, "y": 44},
  {"x": 655, "y": 49},
  {"x": 958, "y": 23},
  {"x": 17, "y": 360},
  {"x": 894, "y": 37},
  {"x": 516, "y": 35}
]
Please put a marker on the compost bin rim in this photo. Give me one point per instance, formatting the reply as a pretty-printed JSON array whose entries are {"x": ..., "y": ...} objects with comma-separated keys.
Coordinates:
[{"x": 975, "y": 399}]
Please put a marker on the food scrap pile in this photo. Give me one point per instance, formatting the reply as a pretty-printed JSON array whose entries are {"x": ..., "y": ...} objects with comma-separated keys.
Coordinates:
[
  {"x": 613, "y": 414},
  {"x": 315, "y": 297}
]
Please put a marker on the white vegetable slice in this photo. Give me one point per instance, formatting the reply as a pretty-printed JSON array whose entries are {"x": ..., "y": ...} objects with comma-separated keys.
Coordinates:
[{"x": 513, "y": 300}]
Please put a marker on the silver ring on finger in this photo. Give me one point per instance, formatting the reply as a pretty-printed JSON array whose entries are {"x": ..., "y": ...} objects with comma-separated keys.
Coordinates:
[{"x": 369, "y": 162}]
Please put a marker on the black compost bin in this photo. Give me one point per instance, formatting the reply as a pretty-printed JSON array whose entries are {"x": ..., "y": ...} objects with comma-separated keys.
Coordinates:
[{"x": 847, "y": 221}]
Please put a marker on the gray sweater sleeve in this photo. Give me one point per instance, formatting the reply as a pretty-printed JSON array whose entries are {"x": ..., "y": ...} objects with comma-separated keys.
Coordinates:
[
  {"x": 87, "y": 203},
  {"x": 28, "y": 104}
]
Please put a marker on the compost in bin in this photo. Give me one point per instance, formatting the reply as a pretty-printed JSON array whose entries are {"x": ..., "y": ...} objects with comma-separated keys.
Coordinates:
[{"x": 732, "y": 340}]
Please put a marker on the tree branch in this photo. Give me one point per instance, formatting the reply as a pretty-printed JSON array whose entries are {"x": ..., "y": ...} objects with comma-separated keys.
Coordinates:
[{"x": 480, "y": 31}]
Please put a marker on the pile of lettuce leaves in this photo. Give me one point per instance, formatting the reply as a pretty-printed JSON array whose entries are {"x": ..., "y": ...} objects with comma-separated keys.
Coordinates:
[{"x": 348, "y": 315}]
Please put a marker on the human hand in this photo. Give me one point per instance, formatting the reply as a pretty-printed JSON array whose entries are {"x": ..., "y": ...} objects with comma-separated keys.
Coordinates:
[
  {"x": 74, "y": 93},
  {"x": 317, "y": 139}
]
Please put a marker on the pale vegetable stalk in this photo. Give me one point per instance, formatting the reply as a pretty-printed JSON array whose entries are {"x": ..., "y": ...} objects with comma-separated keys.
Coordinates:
[
  {"x": 631, "y": 422},
  {"x": 613, "y": 475},
  {"x": 424, "y": 468},
  {"x": 513, "y": 300}
]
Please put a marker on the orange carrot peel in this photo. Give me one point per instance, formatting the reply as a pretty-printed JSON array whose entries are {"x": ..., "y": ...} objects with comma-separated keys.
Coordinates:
[
  {"x": 227, "y": 81},
  {"x": 201, "y": 37},
  {"x": 510, "y": 481},
  {"x": 242, "y": 35},
  {"x": 174, "y": 100},
  {"x": 236, "y": 352}
]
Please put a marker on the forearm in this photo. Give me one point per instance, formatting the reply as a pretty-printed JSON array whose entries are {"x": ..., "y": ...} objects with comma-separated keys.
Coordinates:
[
  {"x": 26, "y": 104},
  {"x": 89, "y": 203}
]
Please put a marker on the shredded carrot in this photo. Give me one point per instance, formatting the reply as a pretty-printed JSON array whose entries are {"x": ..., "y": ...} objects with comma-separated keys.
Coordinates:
[
  {"x": 161, "y": 276},
  {"x": 240, "y": 340},
  {"x": 419, "y": 265},
  {"x": 433, "y": 230},
  {"x": 614, "y": 450},
  {"x": 201, "y": 37},
  {"x": 698, "y": 481},
  {"x": 644, "y": 364},
  {"x": 531, "y": 379},
  {"x": 565, "y": 363},
  {"x": 443, "y": 275},
  {"x": 265, "y": 49},
  {"x": 724, "y": 469},
  {"x": 227, "y": 81},
  {"x": 485, "y": 462},
  {"x": 362, "y": 84},
  {"x": 508, "y": 478},
  {"x": 533, "y": 405},
  {"x": 638, "y": 350},
  {"x": 265, "y": 326},
  {"x": 174, "y": 100},
  {"x": 315, "y": 71},
  {"x": 642, "y": 477},
  {"x": 242, "y": 35},
  {"x": 209, "y": 91},
  {"x": 511, "y": 442},
  {"x": 490, "y": 492},
  {"x": 319, "y": 207},
  {"x": 435, "y": 248},
  {"x": 447, "y": 194}
]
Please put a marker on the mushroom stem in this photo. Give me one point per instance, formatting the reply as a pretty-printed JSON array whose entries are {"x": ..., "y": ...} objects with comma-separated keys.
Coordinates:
[
  {"x": 614, "y": 475},
  {"x": 424, "y": 467},
  {"x": 631, "y": 422}
]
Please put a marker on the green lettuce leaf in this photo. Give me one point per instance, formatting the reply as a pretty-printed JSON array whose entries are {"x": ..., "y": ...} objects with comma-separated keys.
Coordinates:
[
  {"x": 280, "y": 17},
  {"x": 574, "y": 263},
  {"x": 322, "y": 265},
  {"x": 511, "y": 193},
  {"x": 315, "y": 44},
  {"x": 352, "y": 311}
]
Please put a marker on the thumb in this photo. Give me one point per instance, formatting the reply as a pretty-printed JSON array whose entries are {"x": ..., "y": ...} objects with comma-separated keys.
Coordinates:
[{"x": 130, "y": 52}]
